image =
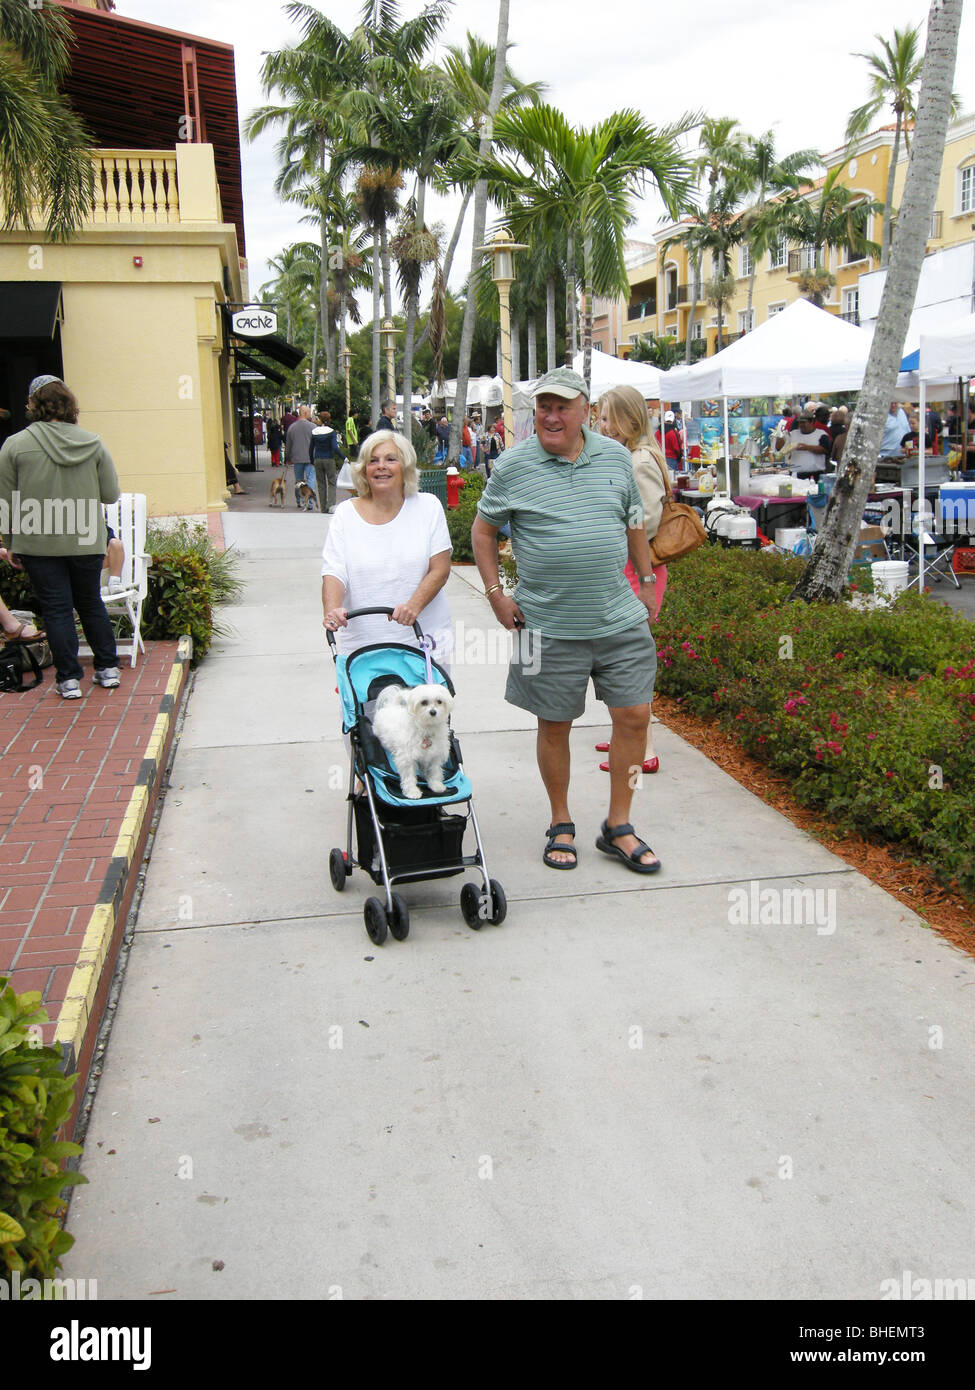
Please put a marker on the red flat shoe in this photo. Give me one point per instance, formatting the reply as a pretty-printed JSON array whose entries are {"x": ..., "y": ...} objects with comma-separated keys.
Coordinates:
[
  {"x": 650, "y": 765},
  {"x": 602, "y": 747}
]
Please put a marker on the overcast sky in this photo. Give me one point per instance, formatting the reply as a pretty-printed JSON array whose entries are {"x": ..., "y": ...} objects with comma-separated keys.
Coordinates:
[{"x": 790, "y": 66}]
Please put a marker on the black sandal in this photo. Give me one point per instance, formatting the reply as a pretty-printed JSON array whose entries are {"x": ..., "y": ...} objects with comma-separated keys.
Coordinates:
[
  {"x": 632, "y": 861},
  {"x": 565, "y": 828}
]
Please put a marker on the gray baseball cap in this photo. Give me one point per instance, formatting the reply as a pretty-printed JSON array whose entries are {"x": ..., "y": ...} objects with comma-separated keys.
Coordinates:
[{"x": 562, "y": 382}]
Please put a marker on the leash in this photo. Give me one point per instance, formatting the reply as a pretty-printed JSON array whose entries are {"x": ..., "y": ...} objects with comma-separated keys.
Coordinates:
[{"x": 427, "y": 644}]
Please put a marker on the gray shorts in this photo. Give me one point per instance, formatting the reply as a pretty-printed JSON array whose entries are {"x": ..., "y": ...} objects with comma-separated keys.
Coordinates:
[{"x": 549, "y": 675}]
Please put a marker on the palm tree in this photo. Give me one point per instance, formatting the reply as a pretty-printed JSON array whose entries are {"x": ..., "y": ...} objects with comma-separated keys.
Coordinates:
[
  {"x": 588, "y": 180},
  {"x": 836, "y": 218},
  {"x": 297, "y": 270},
  {"x": 44, "y": 149},
  {"x": 825, "y": 575},
  {"x": 766, "y": 174},
  {"x": 895, "y": 73}
]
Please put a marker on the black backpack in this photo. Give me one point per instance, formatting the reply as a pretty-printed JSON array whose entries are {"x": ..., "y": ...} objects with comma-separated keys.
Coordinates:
[{"x": 15, "y": 661}]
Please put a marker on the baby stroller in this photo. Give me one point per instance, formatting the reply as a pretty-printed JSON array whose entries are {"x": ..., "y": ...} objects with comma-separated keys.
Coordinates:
[{"x": 401, "y": 840}]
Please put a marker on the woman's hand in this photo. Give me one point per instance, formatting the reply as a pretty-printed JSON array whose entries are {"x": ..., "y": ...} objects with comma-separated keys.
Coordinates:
[
  {"x": 405, "y": 613},
  {"x": 335, "y": 618}
]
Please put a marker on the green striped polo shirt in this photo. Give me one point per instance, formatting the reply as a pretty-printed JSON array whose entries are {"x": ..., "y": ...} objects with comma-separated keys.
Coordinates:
[{"x": 568, "y": 533}]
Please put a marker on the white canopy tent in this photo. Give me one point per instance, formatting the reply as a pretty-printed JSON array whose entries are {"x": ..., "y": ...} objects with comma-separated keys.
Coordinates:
[
  {"x": 943, "y": 358},
  {"x": 606, "y": 371},
  {"x": 804, "y": 348}
]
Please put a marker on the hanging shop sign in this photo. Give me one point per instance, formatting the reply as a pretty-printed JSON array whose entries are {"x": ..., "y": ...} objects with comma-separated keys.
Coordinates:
[{"x": 253, "y": 321}]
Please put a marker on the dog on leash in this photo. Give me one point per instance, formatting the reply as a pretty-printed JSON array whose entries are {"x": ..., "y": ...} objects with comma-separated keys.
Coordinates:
[
  {"x": 277, "y": 489},
  {"x": 307, "y": 497},
  {"x": 413, "y": 727}
]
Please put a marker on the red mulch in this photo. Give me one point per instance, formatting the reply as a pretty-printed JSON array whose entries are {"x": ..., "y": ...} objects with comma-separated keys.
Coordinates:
[{"x": 911, "y": 884}]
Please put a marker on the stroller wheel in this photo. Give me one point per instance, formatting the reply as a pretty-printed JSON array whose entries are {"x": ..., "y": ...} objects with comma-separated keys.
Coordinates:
[
  {"x": 376, "y": 924},
  {"x": 337, "y": 871},
  {"x": 399, "y": 919},
  {"x": 471, "y": 906},
  {"x": 499, "y": 903}
]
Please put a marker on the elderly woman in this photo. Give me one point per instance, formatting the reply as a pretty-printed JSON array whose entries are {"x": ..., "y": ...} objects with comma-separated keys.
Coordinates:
[
  {"x": 387, "y": 547},
  {"x": 623, "y": 417},
  {"x": 61, "y": 475}
]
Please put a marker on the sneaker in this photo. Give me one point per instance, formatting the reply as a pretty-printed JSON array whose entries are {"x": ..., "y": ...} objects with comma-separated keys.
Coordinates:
[
  {"x": 108, "y": 676},
  {"x": 115, "y": 583},
  {"x": 69, "y": 690}
]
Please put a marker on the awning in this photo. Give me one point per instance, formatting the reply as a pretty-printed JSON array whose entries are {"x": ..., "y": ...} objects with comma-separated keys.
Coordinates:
[
  {"x": 251, "y": 364},
  {"x": 912, "y": 361},
  {"x": 29, "y": 308},
  {"x": 278, "y": 349}
]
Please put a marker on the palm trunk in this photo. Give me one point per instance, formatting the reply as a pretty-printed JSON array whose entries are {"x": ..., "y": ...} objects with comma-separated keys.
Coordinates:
[
  {"x": 695, "y": 290},
  {"x": 889, "y": 196},
  {"x": 826, "y": 572},
  {"x": 571, "y": 294},
  {"x": 587, "y": 311},
  {"x": 480, "y": 218},
  {"x": 550, "y": 324},
  {"x": 532, "y": 348},
  {"x": 376, "y": 322}
]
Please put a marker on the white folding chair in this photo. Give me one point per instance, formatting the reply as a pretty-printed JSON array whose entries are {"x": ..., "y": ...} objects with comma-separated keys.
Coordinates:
[{"x": 127, "y": 518}]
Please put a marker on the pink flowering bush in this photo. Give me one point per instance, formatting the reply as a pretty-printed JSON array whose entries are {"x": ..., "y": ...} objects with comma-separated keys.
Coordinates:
[{"x": 871, "y": 714}]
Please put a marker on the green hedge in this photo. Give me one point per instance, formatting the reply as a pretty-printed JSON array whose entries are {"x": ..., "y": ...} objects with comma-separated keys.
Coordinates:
[
  {"x": 871, "y": 714},
  {"x": 35, "y": 1100},
  {"x": 461, "y": 519}
]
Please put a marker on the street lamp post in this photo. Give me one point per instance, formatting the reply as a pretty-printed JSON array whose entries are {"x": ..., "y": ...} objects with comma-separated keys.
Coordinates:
[
  {"x": 501, "y": 250},
  {"x": 389, "y": 335},
  {"x": 308, "y": 384},
  {"x": 346, "y": 355}
]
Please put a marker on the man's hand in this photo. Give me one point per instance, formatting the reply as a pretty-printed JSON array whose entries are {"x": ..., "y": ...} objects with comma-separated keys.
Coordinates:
[
  {"x": 507, "y": 612},
  {"x": 335, "y": 618},
  {"x": 648, "y": 597},
  {"x": 405, "y": 614}
]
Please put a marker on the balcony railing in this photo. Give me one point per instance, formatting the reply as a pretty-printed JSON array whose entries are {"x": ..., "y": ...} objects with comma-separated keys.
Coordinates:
[
  {"x": 851, "y": 316},
  {"x": 680, "y": 295},
  {"x": 645, "y": 309},
  {"x": 935, "y": 232},
  {"x": 135, "y": 186}
]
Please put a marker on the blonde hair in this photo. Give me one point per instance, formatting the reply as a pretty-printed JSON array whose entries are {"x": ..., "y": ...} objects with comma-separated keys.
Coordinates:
[
  {"x": 627, "y": 411},
  {"x": 407, "y": 457}
]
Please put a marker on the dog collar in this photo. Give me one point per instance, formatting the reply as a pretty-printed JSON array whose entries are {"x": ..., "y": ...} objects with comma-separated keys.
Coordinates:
[{"x": 427, "y": 743}]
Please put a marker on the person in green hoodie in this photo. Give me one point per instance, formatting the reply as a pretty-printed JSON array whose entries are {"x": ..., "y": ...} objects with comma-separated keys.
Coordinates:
[{"x": 54, "y": 478}]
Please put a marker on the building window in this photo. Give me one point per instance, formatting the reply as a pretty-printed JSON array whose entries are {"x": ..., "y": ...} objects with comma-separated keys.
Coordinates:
[
  {"x": 746, "y": 320},
  {"x": 697, "y": 331},
  {"x": 778, "y": 255},
  {"x": 744, "y": 262},
  {"x": 851, "y": 306},
  {"x": 774, "y": 309},
  {"x": 807, "y": 257},
  {"x": 968, "y": 189}
]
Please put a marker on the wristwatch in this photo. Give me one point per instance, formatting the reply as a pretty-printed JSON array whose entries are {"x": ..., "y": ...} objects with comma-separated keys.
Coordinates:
[{"x": 648, "y": 579}]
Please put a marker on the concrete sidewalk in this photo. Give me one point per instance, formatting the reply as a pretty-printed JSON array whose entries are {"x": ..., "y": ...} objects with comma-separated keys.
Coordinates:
[{"x": 631, "y": 1086}]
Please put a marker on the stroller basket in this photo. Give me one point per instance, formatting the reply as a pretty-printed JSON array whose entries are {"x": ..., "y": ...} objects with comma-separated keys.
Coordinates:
[{"x": 424, "y": 840}]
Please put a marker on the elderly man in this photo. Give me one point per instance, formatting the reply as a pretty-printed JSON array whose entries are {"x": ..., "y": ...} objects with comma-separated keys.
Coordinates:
[
  {"x": 575, "y": 514},
  {"x": 811, "y": 444},
  {"x": 297, "y": 451}
]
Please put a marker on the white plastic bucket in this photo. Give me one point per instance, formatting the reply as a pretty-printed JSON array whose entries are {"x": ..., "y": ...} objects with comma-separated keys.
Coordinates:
[
  {"x": 889, "y": 577},
  {"x": 788, "y": 536}
]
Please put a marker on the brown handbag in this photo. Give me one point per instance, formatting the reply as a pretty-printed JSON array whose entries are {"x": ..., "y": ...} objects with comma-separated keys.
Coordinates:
[{"x": 681, "y": 529}]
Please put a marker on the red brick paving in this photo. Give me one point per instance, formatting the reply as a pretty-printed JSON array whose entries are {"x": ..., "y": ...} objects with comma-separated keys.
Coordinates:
[{"x": 67, "y": 771}]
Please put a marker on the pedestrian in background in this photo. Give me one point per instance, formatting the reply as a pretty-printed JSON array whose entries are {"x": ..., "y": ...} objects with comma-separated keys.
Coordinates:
[
  {"x": 297, "y": 452},
  {"x": 55, "y": 460}
]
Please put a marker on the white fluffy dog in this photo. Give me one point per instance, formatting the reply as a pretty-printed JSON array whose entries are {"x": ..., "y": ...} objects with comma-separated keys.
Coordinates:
[{"x": 412, "y": 725}]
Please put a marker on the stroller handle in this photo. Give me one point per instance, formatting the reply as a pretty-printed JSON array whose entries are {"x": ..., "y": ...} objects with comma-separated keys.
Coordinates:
[{"x": 362, "y": 612}]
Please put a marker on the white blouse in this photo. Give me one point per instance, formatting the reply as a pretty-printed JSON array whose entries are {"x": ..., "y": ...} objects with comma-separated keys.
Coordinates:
[{"x": 382, "y": 566}]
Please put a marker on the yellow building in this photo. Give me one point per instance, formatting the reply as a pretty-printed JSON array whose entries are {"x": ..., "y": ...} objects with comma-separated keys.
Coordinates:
[
  {"x": 661, "y": 283},
  {"x": 131, "y": 311}
]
